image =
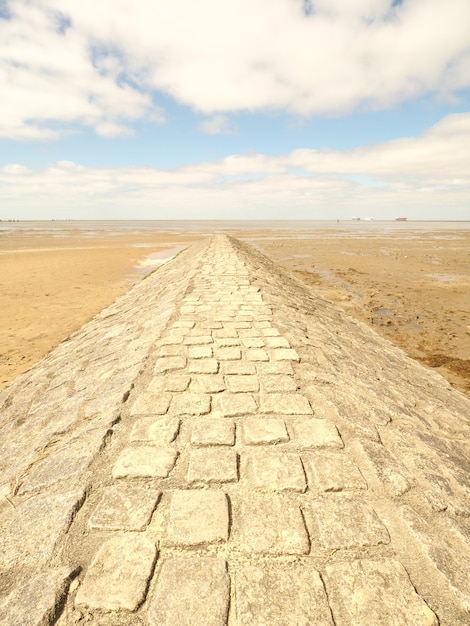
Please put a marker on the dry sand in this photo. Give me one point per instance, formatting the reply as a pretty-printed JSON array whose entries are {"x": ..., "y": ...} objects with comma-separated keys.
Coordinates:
[{"x": 414, "y": 288}]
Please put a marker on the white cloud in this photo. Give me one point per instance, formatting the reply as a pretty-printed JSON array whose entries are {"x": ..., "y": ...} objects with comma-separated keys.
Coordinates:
[
  {"x": 217, "y": 125},
  {"x": 425, "y": 177},
  {"x": 64, "y": 62}
]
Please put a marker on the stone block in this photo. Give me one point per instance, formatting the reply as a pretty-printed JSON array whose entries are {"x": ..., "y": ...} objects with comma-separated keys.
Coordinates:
[
  {"x": 213, "y": 431},
  {"x": 199, "y": 340},
  {"x": 264, "y": 430},
  {"x": 242, "y": 383},
  {"x": 237, "y": 368},
  {"x": 124, "y": 508},
  {"x": 169, "y": 363},
  {"x": 145, "y": 462},
  {"x": 268, "y": 595},
  {"x": 228, "y": 353},
  {"x": 393, "y": 474},
  {"x": 275, "y": 367},
  {"x": 253, "y": 342},
  {"x": 273, "y": 470},
  {"x": 200, "y": 352},
  {"x": 189, "y": 403},
  {"x": 36, "y": 527},
  {"x": 190, "y": 590},
  {"x": 212, "y": 465},
  {"x": 339, "y": 523},
  {"x": 150, "y": 403},
  {"x": 278, "y": 342},
  {"x": 203, "y": 366},
  {"x": 169, "y": 382},
  {"x": 161, "y": 430},
  {"x": 284, "y": 354},
  {"x": 367, "y": 593},
  {"x": 269, "y": 525},
  {"x": 332, "y": 472},
  {"x": 257, "y": 354},
  {"x": 280, "y": 383},
  {"x": 233, "y": 404},
  {"x": 119, "y": 574},
  {"x": 207, "y": 383},
  {"x": 286, "y": 403},
  {"x": 316, "y": 433},
  {"x": 37, "y": 599},
  {"x": 197, "y": 517}
]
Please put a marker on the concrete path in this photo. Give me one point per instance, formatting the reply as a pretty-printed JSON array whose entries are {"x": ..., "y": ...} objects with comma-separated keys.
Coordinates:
[{"x": 221, "y": 446}]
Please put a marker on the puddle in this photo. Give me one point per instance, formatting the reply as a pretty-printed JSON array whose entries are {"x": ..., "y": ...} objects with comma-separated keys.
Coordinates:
[{"x": 155, "y": 259}]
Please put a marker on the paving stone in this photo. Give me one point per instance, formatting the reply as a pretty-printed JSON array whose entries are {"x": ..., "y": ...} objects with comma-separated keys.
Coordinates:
[
  {"x": 197, "y": 517},
  {"x": 253, "y": 342},
  {"x": 162, "y": 430},
  {"x": 280, "y": 383},
  {"x": 203, "y": 366},
  {"x": 169, "y": 382},
  {"x": 189, "y": 403},
  {"x": 269, "y": 525},
  {"x": 273, "y": 470},
  {"x": 393, "y": 474},
  {"x": 270, "y": 595},
  {"x": 286, "y": 403},
  {"x": 233, "y": 404},
  {"x": 242, "y": 383},
  {"x": 275, "y": 367},
  {"x": 119, "y": 574},
  {"x": 344, "y": 524},
  {"x": 200, "y": 352},
  {"x": 212, "y": 465},
  {"x": 169, "y": 363},
  {"x": 184, "y": 324},
  {"x": 191, "y": 340},
  {"x": 172, "y": 349},
  {"x": 269, "y": 331},
  {"x": 190, "y": 590},
  {"x": 285, "y": 354},
  {"x": 332, "y": 472},
  {"x": 277, "y": 342},
  {"x": 237, "y": 368},
  {"x": 263, "y": 430},
  {"x": 155, "y": 403},
  {"x": 172, "y": 340},
  {"x": 31, "y": 536},
  {"x": 227, "y": 341},
  {"x": 213, "y": 431},
  {"x": 226, "y": 333},
  {"x": 36, "y": 601},
  {"x": 228, "y": 353},
  {"x": 62, "y": 464},
  {"x": 368, "y": 593},
  {"x": 207, "y": 383},
  {"x": 316, "y": 433},
  {"x": 257, "y": 354},
  {"x": 145, "y": 461},
  {"x": 124, "y": 508}
]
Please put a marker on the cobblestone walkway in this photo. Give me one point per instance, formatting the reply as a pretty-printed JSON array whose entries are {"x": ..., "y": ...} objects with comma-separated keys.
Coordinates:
[{"x": 221, "y": 447}]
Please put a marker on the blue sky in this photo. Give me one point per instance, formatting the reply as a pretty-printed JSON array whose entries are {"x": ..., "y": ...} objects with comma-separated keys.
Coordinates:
[{"x": 281, "y": 110}]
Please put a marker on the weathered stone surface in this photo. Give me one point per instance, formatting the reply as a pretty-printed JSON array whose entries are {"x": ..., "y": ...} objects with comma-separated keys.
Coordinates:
[
  {"x": 270, "y": 525},
  {"x": 169, "y": 363},
  {"x": 285, "y": 354},
  {"x": 124, "y": 508},
  {"x": 154, "y": 403},
  {"x": 264, "y": 430},
  {"x": 169, "y": 382},
  {"x": 200, "y": 352},
  {"x": 286, "y": 403},
  {"x": 368, "y": 593},
  {"x": 160, "y": 430},
  {"x": 197, "y": 518},
  {"x": 190, "y": 590},
  {"x": 316, "y": 433},
  {"x": 237, "y": 367},
  {"x": 227, "y": 353},
  {"x": 119, "y": 574},
  {"x": 332, "y": 472},
  {"x": 203, "y": 366},
  {"x": 189, "y": 403},
  {"x": 213, "y": 431},
  {"x": 257, "y": 354},
  {"x": 287, "y": 596},
  {"x": 207, "y": 383},
  {"x": 278, "y": 383},
  {"x": 233, "y": 404},
  {"x": 389, "y": 470},
  {"x": 242, "y": 384},
  {"x": 339, "y": 523},
  {"x": 37, "y": 601},
  {"x": 277, "y": 471},
  {"x": 214, "y": 465},
  {"x": 36, "y": 527},
  {"x": 145, "y": 461}
]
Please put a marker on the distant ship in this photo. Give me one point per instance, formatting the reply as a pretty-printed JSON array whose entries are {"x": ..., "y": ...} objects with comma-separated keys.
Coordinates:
[
  {"x": 401, "y": 219},
  {"x": 356, "y": 219}
]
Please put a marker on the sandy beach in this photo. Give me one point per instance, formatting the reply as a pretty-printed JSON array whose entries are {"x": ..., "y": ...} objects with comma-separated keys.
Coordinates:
[{"x": 410, "y": 284}]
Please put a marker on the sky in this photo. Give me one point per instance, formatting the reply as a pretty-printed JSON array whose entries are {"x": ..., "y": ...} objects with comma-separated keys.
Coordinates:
[{"x": 248, "y": 109}]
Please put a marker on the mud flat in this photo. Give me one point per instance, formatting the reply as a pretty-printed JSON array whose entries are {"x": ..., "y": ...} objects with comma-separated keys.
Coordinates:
[{"x": 411, "y": 283}]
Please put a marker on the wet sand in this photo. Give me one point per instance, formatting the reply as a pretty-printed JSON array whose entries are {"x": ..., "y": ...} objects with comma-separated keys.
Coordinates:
[{"x": 411, "y": 286}]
